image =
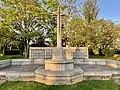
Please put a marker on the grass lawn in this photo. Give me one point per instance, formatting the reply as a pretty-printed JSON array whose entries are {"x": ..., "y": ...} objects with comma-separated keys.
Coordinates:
[
  {"x": 85, "y": 85},
  {"x": 103, "y": 57},
  {"x": 99, "y": 57},
  {"x": 13, "y": 57}
]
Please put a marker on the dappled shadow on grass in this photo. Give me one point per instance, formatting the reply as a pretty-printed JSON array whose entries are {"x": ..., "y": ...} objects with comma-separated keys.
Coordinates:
[
  {"x": 98, "y": 57},
  {"x": 104, "y": 57},
  {"x": 85, "y": 85},
  {"x": 12, "y": 57}
]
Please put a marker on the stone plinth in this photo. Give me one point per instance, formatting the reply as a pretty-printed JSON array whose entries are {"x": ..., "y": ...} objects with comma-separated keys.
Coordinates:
[
  {"x": 67, "y": 77},
  {"x": 55, "y": 65},
  {"x": 58, "y": 54},
  {"x": 59, "y": 61},
  {"x": 60, "y": 69}
]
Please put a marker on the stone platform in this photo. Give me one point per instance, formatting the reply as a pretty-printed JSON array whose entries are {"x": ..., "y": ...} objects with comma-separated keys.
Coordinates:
[
  {"x": 56, "y": 65},
  {"x": 99, "y": 72},
  {"x": 79, "y": 73},
  {"x": 59, "y": 77},
  {"x": 19, "y": 72},
  {"x": 89, "y": 70}
]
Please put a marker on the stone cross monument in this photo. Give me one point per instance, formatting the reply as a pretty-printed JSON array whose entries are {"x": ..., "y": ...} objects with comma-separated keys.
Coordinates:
[
  {"x": 58, "y": 52},
  {"x": 59, "y": 13},
  {"x": 59, "y": 27},
  {"x": 58, "y": 61},
  {"x": 59, "y": 70},
  {"x": 59, "y": 24}
]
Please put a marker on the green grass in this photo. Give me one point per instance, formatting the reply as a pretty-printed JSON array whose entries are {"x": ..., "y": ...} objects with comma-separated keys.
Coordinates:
[
  {"x": 103, "y": 57},
  {"x": 85, "y": 85},
  {"x": 99, "y": 57},
  {"x": 12, "y": 57}
]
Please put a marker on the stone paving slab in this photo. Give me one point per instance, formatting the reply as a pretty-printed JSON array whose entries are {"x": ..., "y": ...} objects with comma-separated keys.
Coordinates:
[
  {"x": 99, "y": 72},
  {"x": 19, "y": 71},
  {"x": 97, "y": 68},
  {"x": 20, "y": 68}
]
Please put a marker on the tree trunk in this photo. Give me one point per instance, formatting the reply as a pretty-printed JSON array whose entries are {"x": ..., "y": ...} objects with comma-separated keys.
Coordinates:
[
  {"x": 3, "y": 50},
  {"x": 27, "y": 48},
  {"x": 21, "y": 47},
  {"x": 100, "y": 52}
]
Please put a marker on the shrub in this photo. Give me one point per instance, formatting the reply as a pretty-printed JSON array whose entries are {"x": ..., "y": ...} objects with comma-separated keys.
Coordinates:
[
  {"x": 1, "y": 56},
  {"x": 12, "y": 52},
  {"x": 108, "y": 52}
]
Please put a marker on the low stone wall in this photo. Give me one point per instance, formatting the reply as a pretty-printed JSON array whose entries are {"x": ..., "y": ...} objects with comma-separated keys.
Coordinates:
[
  {"x": 91, "y": 61},
  {"x": 108, "y": 62},
  {"x": 43, "y": 53},
  {"x": 26, "y": 61},
  {"x": 5, "y": 63}
]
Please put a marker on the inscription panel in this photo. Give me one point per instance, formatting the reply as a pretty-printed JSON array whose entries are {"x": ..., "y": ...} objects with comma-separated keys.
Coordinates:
[{"x": 70, "y": 53}]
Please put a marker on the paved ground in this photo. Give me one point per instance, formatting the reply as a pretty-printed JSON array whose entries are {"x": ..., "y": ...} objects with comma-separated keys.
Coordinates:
[
  {"x": 20, "y": 68},
  {"x": 32, "y": 68},
  {"x": 96, "y": 68}
]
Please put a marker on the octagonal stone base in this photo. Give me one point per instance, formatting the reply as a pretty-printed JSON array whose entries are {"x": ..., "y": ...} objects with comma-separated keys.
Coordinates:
[
  {"x": 59, "y": 77},
  {"x": 56, "y": 65}
]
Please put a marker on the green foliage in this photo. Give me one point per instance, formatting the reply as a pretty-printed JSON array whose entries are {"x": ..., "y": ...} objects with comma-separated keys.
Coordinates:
[
  {"x": 50, "y": 5},
  {"x": 28, "y": 21},
  {"x": 90, "y": 10},
  {"x": 6, "y": 35},
  {"x": 85, "y": 85},
  {"x": 108, "y": 52},
  {"x": 77, "y": 33},
  {"x": 1, "y": 56},
  {"x": 100, "y": 34},
  {"x": 97, "y": 34}
]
